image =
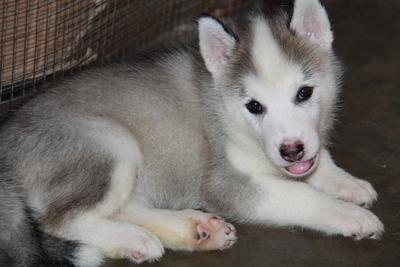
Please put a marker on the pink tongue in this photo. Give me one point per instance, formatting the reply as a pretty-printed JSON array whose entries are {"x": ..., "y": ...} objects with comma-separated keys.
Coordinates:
[{"x": 300, "y": 167}]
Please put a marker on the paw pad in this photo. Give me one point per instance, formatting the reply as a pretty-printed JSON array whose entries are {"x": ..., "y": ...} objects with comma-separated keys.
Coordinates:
[{"x": 212, "y": 232}]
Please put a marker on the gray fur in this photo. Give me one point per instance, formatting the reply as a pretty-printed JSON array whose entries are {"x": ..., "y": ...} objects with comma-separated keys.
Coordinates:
[
  {"x": 169, "y": 105},
  {"x": 16, "y": 237}
]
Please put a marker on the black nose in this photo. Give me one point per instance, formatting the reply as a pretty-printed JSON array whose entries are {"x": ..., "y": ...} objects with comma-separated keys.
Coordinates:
[{"x": 292, "y": 152}]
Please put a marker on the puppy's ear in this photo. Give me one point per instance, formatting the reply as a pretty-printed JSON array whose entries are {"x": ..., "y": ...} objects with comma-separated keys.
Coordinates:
[
  {"x": 216, "y": 44},
  {"x": 310, "y": 20}
]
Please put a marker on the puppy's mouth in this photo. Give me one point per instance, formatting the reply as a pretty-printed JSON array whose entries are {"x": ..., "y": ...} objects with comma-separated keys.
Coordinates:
[{"x": 301, "y": 168}]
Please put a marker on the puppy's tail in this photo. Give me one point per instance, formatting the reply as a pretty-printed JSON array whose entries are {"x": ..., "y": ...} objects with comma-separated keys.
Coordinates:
[
  {"x": 23, "y": 243},
  {"x": 60, "y": 252},
  {"x": 26, "y": 245}
]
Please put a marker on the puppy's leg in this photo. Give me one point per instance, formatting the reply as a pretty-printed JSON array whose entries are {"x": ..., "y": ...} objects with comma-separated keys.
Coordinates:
[
  {"x": 114, "y": 239},
  {"x": 286, "y": 203},
  {"x": 182, "y": 230},
  {"x": 105, "y": 143},
  {"x": 334, "y": 181}
]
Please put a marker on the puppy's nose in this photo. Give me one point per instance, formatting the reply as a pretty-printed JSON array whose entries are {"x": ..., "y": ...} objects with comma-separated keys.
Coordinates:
[{"x": 292, "y": 151}]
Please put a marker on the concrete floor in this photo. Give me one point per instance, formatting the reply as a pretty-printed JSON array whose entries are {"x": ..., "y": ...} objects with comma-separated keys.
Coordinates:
[{"x": 366, "y": 143}]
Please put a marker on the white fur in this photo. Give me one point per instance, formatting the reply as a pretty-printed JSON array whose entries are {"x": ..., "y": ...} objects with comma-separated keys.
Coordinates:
[
  {"x": 88, "y": 256},
  {"x": 289, "y": 203},
  {"x": 118, "y": 141},
  {"x": 247, "y": 161},
  {"x": 112, "y": 238},
  {"x": 275, "y": 86},
  {"x": 173, "y": 229},
  {"x": 178, "y": 229},
  {"x": 336, "y": 182},
  {"x": 97, "y": 228},
  {"x": 285, "y": 202},
  {"x": 271, "y": 64}
]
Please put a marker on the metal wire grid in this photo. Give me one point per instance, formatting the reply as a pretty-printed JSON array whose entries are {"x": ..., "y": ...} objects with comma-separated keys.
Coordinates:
[
  {"x": 54, "y": 36},
  {"x": 43, "y": 40}
]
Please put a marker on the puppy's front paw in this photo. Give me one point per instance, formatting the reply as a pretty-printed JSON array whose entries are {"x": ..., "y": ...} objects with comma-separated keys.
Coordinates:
[
  {"x": 345, "y": 187},
  {"x": 354, "y": 190},
  {"x": 353, "y": 221}
]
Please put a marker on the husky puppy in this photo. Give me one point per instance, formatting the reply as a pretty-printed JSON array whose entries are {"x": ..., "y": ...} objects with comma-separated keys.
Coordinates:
[{"x": 117, "y": 162}]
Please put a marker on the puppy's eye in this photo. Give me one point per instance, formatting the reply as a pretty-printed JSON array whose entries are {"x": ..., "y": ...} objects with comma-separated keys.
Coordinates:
[
  {"x": 304, "y": 93},
  {"x": 255, "y": 107}
]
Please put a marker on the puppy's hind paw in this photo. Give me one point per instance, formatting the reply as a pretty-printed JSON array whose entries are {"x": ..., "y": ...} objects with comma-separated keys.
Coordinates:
[
  {"x": 142, "y": 247},
  {"x": 212, "y": 232}
]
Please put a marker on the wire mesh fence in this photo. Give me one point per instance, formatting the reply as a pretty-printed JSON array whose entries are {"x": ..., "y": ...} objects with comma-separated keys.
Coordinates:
[{"x": 43, "y": 40}]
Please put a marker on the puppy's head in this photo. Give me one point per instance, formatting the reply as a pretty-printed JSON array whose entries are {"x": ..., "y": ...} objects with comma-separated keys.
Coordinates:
[{"x": 277, "y": 80}]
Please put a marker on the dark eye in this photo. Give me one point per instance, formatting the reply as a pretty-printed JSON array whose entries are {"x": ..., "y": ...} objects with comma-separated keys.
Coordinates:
[
  {"x": 304, "y": 93},
  {"x": 255, "y": 107}
]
